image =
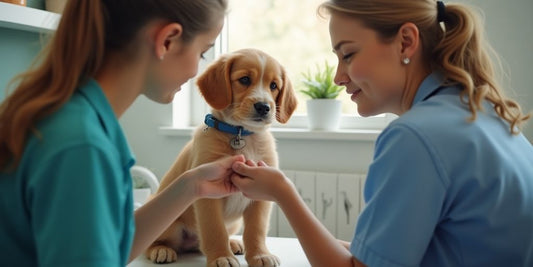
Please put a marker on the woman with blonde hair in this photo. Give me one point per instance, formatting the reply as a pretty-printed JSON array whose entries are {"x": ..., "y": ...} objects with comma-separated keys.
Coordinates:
[
  {"x": 451, "y": 183},
  {"x": 65, "y": 184}
]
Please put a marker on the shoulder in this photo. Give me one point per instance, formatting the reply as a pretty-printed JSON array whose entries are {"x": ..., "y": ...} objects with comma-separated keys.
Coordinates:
[
  {"x": 443, "y": 127},
  {"x": 75, "y": 124},
  {"x": 439, "y": 125},
  {"x": 441, "y": 119},
  {"x": 445, "y": 119},
  {"x": 426, "y": 137}
]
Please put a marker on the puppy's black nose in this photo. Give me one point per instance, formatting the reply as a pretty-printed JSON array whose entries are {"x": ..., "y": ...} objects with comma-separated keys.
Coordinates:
[{"x": 262, "y": 108}]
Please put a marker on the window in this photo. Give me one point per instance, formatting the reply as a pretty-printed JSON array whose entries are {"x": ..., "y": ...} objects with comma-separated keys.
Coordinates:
[{"x": 294, "y": 34}]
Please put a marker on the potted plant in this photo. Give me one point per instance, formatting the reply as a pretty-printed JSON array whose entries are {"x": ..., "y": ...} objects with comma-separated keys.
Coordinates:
[{"x": 323, "y": 109}]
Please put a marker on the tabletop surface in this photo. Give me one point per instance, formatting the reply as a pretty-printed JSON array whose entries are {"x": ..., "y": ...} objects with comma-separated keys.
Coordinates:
[{"x": 288, "y": 251}]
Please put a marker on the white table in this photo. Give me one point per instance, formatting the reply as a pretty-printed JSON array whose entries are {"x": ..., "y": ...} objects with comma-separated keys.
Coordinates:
[{"x": 288, "y": 251}]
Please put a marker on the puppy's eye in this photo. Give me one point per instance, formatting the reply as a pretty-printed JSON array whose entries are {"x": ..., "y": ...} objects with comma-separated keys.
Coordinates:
[
  {"x": 273, "y": 86},
  {"x": 245, "y": 80}
]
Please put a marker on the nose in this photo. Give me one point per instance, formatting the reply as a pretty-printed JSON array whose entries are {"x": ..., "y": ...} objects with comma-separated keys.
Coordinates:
[
  {"x": 262, "y": 108},
  {"x": 340, "y": 78}
]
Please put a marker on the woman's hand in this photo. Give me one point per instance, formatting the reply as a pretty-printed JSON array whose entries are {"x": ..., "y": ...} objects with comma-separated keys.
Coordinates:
[
  {"x": 259, "y": 181},
  {"x": 212, "y": 180}
]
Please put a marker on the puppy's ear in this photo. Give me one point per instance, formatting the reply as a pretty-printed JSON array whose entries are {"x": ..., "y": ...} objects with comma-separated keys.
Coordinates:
[
  {"x": 286, "y": 101},
  {"x": 215, "y": 83}
]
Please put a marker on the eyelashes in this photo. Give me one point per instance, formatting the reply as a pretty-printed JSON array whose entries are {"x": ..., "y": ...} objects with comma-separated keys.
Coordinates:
[{"x": 347, "y": 57}]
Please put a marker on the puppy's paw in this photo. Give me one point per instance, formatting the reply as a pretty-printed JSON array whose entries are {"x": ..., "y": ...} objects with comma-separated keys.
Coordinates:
[
  {"x": 265, "y": 260},
  {"x": 236, "y": 246},
  {"x": 225, "y": 262},
  {"x": 161, "y": 254}
]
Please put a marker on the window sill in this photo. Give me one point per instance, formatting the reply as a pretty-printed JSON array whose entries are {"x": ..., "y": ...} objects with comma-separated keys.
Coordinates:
[{"x": 294, "y": 133}]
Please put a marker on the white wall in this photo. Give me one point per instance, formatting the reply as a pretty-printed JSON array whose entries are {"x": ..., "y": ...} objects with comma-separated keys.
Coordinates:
[{"x": 509, "y": 26}]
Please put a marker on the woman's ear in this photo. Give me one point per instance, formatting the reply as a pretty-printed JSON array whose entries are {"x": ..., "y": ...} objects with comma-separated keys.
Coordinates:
[
  {"x": 409, "y": 39},
  {"x": 166, "y": 37}
]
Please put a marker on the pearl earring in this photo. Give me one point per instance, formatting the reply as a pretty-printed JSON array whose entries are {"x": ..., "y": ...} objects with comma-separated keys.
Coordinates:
[
  {"x": 406, "y": 61},
  {"x": 161, "y": 57}
]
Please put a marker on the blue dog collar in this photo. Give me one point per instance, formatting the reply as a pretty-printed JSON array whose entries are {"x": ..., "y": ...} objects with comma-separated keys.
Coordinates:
[{"x": 225, "y": 127}]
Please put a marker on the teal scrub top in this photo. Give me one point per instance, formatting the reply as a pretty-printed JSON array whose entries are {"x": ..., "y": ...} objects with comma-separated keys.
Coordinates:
[
  {"x": 446, "y": 191},
  {"x": 69, "y": 202}
]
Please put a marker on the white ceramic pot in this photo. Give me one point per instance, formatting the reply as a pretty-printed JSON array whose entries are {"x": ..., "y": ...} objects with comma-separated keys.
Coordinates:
[
  {"x": 324, "y": 114},
  {"x": 56, "y": 6},
  {"x": 140, "y": 196},
  {"x": 146, "y": 177}
]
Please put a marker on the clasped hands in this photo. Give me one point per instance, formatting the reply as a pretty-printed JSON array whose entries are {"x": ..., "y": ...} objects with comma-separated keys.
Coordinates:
[{"x": 226, "y": 176}]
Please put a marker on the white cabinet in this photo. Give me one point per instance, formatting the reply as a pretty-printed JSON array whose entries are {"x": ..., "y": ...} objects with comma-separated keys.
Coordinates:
[
  {"x": 326, "y": 200},
  {"x": 334, "y": 198},
  {"x": 348, "y": 207}
]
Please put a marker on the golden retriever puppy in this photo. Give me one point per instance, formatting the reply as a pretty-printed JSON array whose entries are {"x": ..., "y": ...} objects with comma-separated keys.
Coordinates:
[{"x": 247, "y": 90}]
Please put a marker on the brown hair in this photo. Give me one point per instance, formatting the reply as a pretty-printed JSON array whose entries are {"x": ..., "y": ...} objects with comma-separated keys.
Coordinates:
[
  {"x": 87, "y": 32},
  {"x": 457, "y": 48}
]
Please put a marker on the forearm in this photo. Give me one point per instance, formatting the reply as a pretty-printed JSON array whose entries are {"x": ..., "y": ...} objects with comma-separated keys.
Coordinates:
[
  {"x": 345, "y": 244},
  {"x": 153, "y": 218},
  {"x": 320, "y": 247}
]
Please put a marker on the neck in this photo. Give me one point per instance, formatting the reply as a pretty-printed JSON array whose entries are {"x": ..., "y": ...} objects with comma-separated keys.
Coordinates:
[
  {"x": 121, "y": 82},
  {"x": 415, "y": 76}
]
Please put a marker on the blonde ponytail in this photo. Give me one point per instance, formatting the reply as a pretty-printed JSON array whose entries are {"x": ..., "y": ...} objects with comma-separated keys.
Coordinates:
[{"x": 464, "y": 56}]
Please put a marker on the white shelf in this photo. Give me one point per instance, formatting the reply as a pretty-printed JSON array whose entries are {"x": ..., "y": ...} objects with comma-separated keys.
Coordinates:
[{"x": 27, "y": 18}]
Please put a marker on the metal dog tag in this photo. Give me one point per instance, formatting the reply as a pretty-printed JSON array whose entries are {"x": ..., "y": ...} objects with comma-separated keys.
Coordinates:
[{"x": 237, "y": 143}]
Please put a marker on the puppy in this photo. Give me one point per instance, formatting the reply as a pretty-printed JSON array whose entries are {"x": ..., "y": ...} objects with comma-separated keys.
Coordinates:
[{"x": 247, "y": 90}]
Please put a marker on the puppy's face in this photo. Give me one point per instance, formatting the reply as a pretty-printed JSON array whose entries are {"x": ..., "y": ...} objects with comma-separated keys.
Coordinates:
[
  {"x": 256, "y": 81},
  {"x": 248, "y": 88}
]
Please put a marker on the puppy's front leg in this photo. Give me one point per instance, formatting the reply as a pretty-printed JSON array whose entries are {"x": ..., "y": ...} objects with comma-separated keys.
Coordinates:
[
  {"x": 214, "y": 239},
  {"x": 256, "y": 220}
]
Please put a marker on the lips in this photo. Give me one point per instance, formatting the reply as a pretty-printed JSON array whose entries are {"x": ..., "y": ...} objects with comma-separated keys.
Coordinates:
[{"x": 354, "y": 92}]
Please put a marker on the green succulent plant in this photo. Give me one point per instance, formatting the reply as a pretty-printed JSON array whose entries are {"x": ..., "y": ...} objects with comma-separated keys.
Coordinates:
[{"x": 320, "y": 84}]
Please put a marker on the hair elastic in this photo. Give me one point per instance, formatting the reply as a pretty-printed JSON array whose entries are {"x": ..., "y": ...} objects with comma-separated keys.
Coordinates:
[{"x": 441, "y": 12}]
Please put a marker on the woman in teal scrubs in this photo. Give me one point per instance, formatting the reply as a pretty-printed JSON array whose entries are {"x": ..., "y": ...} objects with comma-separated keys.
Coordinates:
[
  {"x": 65, "y": 185},
  {"x": 451, "y": 182}
]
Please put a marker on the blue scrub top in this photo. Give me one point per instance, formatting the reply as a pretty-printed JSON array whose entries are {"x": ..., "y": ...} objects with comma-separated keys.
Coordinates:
[
  {"x": 69, "y": 202},
  {"x": 445, "y": 191}
]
